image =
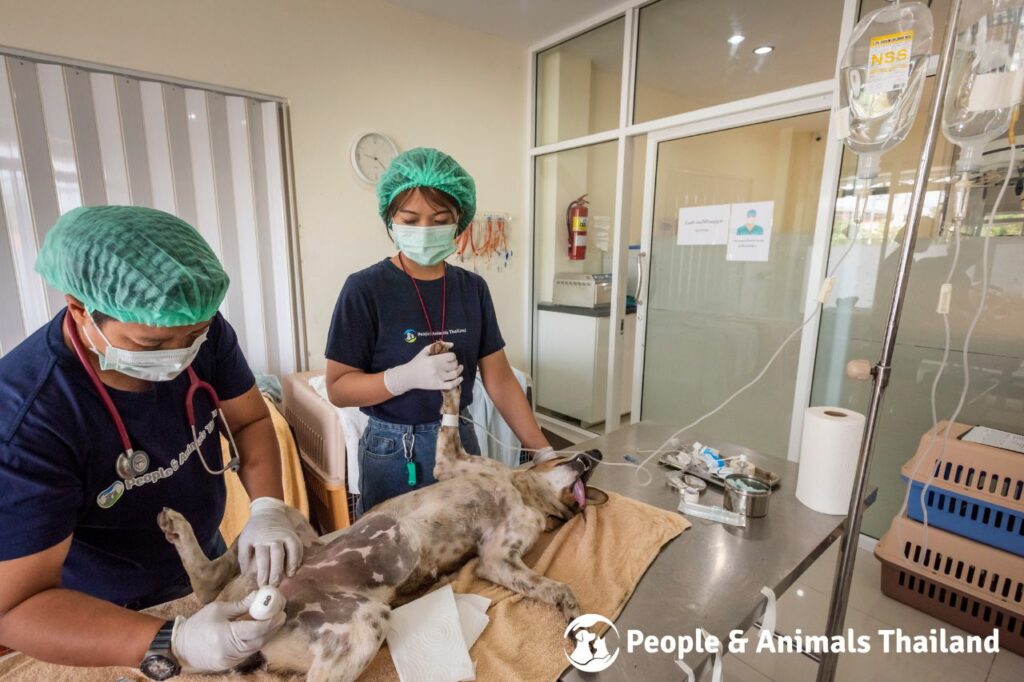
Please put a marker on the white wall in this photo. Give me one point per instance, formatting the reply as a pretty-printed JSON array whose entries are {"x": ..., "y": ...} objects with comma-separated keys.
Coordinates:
[{"x": 345, "y": 66}]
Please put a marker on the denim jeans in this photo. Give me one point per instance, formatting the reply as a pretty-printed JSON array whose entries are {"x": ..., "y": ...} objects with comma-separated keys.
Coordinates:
[{"x": 386, "y": 448}]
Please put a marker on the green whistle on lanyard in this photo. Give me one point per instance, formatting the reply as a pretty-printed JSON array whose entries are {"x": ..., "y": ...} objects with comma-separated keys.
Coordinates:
[{"x": 410, "y": 468}]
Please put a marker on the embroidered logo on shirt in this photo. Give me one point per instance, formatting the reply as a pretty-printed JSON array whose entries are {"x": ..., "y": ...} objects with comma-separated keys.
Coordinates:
[
  {"x": 109, "y": 497},
  {"x": 410, "y": 335},
  {"x": 116, "y": 490}
]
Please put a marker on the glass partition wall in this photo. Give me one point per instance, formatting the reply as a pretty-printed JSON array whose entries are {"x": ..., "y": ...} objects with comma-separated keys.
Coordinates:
[
  {"x": 693, "y": 54},
  {"x": 598, "y": 92},
  {"x": 573, "y": 286},
  {"x": 699, "y": 112},
  {"x": 578, "y": 84},
  {"x": 854, "y": 320}
]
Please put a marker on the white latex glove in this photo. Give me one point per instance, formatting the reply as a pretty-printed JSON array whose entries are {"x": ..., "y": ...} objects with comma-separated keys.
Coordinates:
[
  {"x": 270, "y": 538},
  {"x": 425, "y": 371},
  {"x": 210, "y": 641}
]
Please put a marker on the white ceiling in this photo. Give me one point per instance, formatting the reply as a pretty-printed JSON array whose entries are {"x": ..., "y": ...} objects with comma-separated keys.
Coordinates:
[{"x": 521, "y": 21}]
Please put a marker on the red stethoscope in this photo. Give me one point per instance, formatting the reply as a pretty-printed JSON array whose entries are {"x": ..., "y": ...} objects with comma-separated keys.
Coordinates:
[{"x": 131, "y": 462}]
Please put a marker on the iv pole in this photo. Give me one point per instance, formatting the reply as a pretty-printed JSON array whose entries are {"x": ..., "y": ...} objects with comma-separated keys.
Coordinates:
[{"x": 881, "y": 371}]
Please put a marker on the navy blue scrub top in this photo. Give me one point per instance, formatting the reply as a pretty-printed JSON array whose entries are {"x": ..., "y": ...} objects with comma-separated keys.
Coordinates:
[
  {"x": 58, "y": 446},
  {"x": 379, "y": 323}
]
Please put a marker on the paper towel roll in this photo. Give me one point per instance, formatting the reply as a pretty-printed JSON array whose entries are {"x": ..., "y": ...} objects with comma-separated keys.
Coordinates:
[{"x": 829, "y": 447}]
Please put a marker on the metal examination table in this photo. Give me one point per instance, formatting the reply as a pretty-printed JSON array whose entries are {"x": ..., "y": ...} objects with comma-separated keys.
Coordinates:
[{"x": 710, "y": 576}]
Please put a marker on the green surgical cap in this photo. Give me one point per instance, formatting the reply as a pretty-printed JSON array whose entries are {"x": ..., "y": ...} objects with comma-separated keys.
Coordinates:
[
  {"x": 134, "y": 264},
  {"x": 425, "y": 167}
]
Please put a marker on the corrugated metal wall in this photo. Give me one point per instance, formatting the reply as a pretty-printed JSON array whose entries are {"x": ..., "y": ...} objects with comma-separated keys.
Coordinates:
[{"x": 73, "y": 136}]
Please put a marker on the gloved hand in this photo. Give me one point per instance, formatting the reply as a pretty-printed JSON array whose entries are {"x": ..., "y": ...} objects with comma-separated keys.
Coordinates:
[
  {"x": 270, "y": 538},
  {"x": 425, "y": 371},
  {"x": 210, "y": 641}
]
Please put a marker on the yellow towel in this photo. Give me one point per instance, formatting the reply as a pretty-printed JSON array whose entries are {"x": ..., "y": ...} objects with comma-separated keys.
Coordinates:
[
  {"x": 236, "y": 511},
  {"x": 602, "y": 555}
]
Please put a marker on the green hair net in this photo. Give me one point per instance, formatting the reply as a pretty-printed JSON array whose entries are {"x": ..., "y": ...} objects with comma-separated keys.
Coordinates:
[
  {"x": 134, "y": 264},
  {"x": 426, "y": 167}
]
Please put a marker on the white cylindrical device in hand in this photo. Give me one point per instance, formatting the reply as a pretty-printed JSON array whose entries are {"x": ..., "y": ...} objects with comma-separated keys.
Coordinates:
[{"x": 268, "y": 603}]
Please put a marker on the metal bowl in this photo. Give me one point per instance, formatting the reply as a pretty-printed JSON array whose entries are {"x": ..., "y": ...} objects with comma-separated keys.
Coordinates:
[{"x": 747, "y": 495}]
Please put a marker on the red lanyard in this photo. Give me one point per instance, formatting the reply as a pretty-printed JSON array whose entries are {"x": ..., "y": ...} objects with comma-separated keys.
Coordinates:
[{"x": 423, "y": 305}]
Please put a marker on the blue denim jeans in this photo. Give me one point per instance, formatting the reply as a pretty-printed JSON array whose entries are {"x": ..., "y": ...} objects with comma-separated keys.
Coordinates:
[{"x": 386, "y": 448}]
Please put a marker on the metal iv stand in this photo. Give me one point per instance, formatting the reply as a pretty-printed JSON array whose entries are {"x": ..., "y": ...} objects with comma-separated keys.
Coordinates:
[{"x": 881, "y": 371}]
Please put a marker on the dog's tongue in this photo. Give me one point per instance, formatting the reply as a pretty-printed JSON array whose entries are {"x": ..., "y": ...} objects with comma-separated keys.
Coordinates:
[{"x": 579, "y": 491}]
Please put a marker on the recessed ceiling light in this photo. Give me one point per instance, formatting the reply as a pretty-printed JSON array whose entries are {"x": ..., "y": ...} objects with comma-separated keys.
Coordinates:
[
  {"x": 736, "y": 39},
  {"x": 764, "y": 49}
]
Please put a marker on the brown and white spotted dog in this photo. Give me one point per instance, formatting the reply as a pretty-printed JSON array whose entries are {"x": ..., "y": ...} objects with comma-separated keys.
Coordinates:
[{"x": 340, "y": 599}]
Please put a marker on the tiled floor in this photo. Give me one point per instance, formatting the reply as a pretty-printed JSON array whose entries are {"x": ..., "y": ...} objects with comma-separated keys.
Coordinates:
[{"x": 805, "y": 606}]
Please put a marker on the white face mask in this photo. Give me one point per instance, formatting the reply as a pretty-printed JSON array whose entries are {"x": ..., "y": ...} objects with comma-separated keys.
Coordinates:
[
  {"x": 148, "y": 365},
  {"x": 425, "y": 245}
]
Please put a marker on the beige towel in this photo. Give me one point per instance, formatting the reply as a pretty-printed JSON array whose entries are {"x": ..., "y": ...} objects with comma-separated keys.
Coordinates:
[
  {"x": 236, "y": 510},
  {"x": 602, "y": 555}
]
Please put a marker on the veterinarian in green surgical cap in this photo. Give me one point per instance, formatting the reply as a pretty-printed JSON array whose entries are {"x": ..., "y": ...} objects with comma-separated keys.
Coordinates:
[
  {"x": 388, "y": 316},
  {"x": 97, "y": 440}
]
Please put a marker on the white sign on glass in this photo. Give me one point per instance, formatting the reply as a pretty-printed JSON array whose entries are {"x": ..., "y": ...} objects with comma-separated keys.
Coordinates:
[
  {"x": 703, "y": 225},
  {"x": 750, "y": 231}
]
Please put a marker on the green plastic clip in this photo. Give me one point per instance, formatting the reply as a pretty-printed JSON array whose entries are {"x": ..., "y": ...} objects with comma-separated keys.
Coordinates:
[{"x": 410, "y": 468}]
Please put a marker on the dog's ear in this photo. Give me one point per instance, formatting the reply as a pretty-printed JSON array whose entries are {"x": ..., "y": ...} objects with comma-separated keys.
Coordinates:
[{"x": 596, "y": 496}]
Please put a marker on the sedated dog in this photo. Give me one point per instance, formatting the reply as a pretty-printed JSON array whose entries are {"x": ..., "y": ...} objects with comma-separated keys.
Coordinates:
[{"x": 340, "y": 599}]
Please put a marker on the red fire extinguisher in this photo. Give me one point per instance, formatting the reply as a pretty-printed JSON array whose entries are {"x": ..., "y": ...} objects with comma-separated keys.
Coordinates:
[{"x": 576, "y": 219}]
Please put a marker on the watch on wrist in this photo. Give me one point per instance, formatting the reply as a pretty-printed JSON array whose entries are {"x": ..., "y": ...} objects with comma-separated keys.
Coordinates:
[{"x": 159, "y": 663}]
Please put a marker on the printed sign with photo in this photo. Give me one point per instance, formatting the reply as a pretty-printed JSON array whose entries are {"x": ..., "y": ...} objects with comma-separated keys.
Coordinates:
[{"x": 750, "y": 231}]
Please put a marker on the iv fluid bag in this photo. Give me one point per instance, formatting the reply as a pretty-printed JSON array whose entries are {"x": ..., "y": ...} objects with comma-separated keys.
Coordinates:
[
  {"x": 881, "y": 78},
  {"x": 985, "y": 78}
]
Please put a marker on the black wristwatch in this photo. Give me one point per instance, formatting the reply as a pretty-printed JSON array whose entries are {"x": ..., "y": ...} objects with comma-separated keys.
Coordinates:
[{"x": 159, "y": 662}]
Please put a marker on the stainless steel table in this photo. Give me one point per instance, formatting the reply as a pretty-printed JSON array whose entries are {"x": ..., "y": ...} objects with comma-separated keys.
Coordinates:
[{"x": 710, "y": 576}]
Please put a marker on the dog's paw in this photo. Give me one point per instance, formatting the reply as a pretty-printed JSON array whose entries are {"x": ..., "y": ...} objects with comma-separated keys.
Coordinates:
[
  {"x": 566, "y": 602},
  {"x": 171, "y": 523}
]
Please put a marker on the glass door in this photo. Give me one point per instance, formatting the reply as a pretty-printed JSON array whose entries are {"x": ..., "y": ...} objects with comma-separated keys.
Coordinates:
[{"x": 731, "y": 233}]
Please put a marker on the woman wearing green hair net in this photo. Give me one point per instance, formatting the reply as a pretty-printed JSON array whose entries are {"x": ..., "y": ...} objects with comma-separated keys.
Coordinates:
[
  {"x": 95, "y": 441},
  {"x": 389, "y": 315}
]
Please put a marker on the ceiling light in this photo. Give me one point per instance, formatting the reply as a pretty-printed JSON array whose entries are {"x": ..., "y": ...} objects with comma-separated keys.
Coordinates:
[
  {"x": 736, "y": 39},
  {"x": 764, "y": 49}
]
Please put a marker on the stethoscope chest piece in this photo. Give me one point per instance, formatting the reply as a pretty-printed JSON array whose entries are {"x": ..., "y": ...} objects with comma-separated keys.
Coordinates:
[{"x": 132, "y": 463}]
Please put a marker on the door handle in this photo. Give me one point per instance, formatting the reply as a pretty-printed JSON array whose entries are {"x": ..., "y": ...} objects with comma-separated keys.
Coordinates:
[{"x": 640, "y": 278}]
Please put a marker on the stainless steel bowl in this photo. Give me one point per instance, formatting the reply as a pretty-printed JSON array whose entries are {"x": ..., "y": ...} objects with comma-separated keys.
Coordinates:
[{"x": 747, "y": 495}]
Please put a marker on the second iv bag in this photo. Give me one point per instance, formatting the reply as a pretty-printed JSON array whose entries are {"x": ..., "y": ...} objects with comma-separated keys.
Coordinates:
[
  {"x": 881, "y": 79},
  {"x": 985, "y": 78}
]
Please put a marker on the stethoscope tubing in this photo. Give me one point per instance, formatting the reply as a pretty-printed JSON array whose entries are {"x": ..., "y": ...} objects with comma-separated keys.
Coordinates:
[{"x": 195, "y": 384}]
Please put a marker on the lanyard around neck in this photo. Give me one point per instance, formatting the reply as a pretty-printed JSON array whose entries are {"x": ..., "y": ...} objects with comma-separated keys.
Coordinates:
[{"x": 423, "y": 305}]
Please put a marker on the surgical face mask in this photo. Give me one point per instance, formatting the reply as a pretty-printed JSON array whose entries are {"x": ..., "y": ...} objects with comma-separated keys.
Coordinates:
[
  {"x": 425, "y": 245},
  {"x": 148, "y": 365}
]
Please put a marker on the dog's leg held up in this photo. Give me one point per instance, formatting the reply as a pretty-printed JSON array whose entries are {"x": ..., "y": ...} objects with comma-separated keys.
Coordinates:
[
  {"x": 449, "y": 453},
  {"x": 207, "y": 577}
]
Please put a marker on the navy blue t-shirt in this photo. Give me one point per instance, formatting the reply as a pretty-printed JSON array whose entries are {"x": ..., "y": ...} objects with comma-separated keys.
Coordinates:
[
  {"x": 378, "y": 324},
  {"x": 58, "y": 447}
]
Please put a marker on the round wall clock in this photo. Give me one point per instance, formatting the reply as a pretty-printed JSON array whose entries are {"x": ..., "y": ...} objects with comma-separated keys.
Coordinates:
[{"x": 371, "y": 155}]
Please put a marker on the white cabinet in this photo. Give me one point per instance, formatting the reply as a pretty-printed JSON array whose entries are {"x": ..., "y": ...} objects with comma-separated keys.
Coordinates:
[{"x": 572, "y": 361}]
